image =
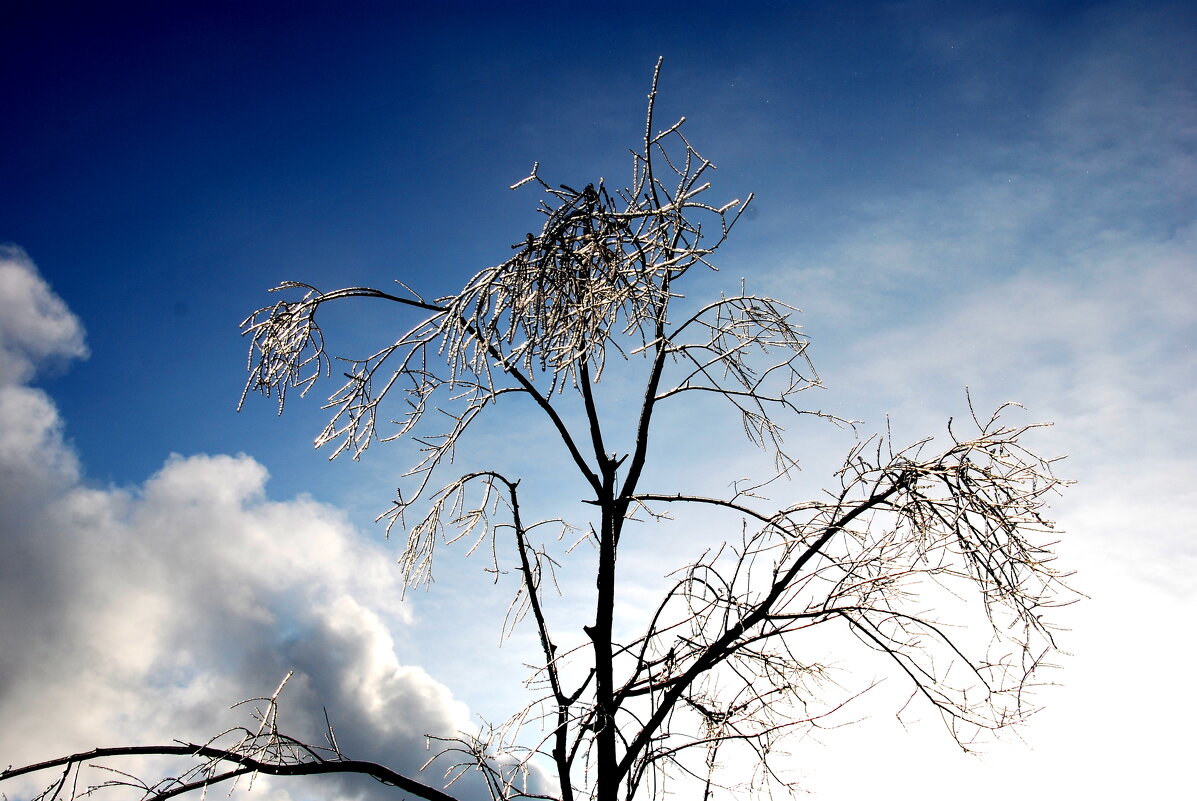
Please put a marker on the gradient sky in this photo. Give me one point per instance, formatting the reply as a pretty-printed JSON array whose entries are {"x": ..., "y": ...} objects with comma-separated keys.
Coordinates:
[{"x": 1001, "y": 196}]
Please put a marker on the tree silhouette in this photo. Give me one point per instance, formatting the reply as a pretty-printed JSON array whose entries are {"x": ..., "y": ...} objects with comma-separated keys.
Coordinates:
[{"x": 908, "y": 550}]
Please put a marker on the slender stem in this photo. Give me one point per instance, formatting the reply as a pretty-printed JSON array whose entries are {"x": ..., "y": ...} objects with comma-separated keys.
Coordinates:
[
  {"x": 640, "y": 454},
  {"x": 542, "y": 402},
  {"x": 561, "y": 754},
  {"x": 596, "y": 429}
]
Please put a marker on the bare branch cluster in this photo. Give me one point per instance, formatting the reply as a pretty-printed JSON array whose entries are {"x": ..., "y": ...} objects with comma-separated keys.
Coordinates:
[
  {"x": 746, "y": 350},
  {"x": 720, "y": 666},
  {"x": 904, "y": 532}
]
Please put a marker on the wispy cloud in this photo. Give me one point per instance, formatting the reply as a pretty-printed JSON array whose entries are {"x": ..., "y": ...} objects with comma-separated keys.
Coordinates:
[{"x": 1063, "y": 279}]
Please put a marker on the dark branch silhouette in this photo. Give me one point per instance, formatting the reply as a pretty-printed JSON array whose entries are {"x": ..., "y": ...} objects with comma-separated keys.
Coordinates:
[{"x": 906, "y": 539}]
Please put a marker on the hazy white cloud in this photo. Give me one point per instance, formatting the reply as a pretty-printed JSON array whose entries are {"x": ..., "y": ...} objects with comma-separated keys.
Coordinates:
[
  {"x": 1080, "y": 273},
  {"x": 138, "y": 615},
  {"x": 1066, "y": 284},
  {"x": 1103, "y": 350}
]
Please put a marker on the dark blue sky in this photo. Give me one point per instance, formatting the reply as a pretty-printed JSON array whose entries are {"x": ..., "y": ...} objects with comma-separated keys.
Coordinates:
[{"x": 165, "y": 163}]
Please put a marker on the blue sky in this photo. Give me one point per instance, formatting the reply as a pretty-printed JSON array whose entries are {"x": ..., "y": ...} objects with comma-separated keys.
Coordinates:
[{"x": 999, "y": 196}]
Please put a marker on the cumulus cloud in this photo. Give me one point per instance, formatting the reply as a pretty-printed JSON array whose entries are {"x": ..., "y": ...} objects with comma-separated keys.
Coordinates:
[
  {"x": 36, "y": 327},
  {"x": 138, "y": 615}
]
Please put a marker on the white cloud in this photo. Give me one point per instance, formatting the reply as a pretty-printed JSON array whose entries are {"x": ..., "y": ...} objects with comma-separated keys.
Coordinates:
[
  {"x": 138, "y": 615},
  {"x": 36, "y": 327}
]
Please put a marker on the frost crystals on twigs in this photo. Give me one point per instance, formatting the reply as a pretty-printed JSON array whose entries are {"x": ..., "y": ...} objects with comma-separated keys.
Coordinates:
[{"x": 932, "y": 563}]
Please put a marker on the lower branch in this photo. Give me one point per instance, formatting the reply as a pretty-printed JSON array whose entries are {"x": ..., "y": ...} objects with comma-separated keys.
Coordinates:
[{"x": 219, "y": 756}]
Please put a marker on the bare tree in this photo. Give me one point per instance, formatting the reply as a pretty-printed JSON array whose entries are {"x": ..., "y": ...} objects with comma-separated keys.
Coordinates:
[{"x": 906, "y": 538}]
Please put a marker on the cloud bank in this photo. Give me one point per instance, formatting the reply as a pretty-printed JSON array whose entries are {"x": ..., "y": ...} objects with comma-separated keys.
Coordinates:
[{"x": 138, "y": 615}]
